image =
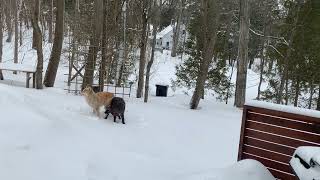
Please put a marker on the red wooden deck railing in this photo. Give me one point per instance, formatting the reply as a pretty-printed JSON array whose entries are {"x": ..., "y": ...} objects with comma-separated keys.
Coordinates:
[{"x": 271, "y": 137}]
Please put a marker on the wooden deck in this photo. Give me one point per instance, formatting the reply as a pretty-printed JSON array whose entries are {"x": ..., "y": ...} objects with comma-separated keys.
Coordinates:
[{"x": 271, "y": 137}]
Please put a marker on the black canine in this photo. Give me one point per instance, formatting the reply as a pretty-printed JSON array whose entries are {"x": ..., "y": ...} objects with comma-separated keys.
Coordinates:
[{"x": 116, "y": 108}]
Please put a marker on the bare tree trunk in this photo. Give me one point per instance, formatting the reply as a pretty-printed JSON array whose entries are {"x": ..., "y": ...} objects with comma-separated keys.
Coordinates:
[
  {"x": 154, "y": 41},
  {"x": 286, "y": 99},
  {"x": 94, "y": 43},
  {"x": 20, "y": 24},
  {"x": 270, "y": 66},
  {"x": 297, "y": 92},
  {"x": 8, "y": 13},
  {"x": 38, "y": 43},
  {"x": 318, "y": 102},
  {"x": 54, "y": 60},
  {"x": 177, "y": 29},
  {"x": 230, "y": 78},
  {"x": 104, "y": 46},
  {"x": 311, "y": 94},
  {"x": 210, "y": 36},
  {"x": 240, "y": 94},
  {"x": 143, "y": 47},
  {"x": 1, "y": 36},
  {"x": 262, "y": 53},
  {"x": 50, "y": 20},
  {"x": 251, "y": 63},
  {"x": 16, "y": 32},
  {"x": 123, "y": 57},
  {"x": 261, "y": 77}
]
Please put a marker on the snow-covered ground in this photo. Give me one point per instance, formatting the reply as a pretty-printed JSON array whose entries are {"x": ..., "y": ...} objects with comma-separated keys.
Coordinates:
[{"x": 49, "y": 134}]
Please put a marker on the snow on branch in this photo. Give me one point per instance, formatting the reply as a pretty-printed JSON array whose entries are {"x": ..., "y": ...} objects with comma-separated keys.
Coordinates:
[
  {"x": 273, "y": 37},
  {"x": 276, "y": 50}
]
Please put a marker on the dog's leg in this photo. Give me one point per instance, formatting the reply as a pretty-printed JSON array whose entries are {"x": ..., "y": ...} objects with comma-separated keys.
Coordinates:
[
  {"x": 107, "y": 114},
  {"x": 114, "y": 118},
  {"x": 122, "y": 117},
  {"x": 98, "y": 112}
]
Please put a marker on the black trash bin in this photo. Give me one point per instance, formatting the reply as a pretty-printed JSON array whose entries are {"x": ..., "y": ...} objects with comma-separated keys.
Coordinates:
[{"x": 161, "y": 90}]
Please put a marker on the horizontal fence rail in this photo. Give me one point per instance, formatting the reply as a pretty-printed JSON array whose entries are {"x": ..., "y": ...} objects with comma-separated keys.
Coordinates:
[{"x": 271, "y": 137}]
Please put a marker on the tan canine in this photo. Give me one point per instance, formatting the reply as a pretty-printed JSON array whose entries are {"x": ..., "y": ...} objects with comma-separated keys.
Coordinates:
[{"x": 96, "y": 100}]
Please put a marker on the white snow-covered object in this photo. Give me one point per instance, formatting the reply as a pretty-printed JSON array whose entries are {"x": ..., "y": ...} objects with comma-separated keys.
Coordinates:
[
  {"x": 309, "y": 155},
  {"x": 284, "y": 108},
  {"x": 246, "y": 170}
]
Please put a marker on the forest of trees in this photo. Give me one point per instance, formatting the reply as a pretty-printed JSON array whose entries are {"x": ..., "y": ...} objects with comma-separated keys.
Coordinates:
[{"x": 277, "y": 39}]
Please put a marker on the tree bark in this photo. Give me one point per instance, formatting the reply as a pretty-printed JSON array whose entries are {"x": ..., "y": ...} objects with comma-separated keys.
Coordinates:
[
  {"x": 318, "y": 102},
  {"x": 1, "y": 36},
  {"x": 251, "y": 63},
  {"x": 177, "y": 29},
  {"x": 16, "y": 32},
  {"x": 149, "y": 65},
  {"x": 104, "y": 46},
  {"x": 311, "y": 94},
  {"x": 94, "y": 43},
  {"x": 50, "y": 20},
  {"x": 143, "y": 47},
  {"x": 297, "y": 92},
  {"x": 240, "y": 94},
  {"x": 261, "y": 68},
  {"x": 210, "y": 36},
  {"x": 20, "y": 28},
  {"x": 57, "y": 46},
  {"x": 8, "y": 13},
  {"x": 38, "y": 43},
  {"x": 261, "y": 77}
]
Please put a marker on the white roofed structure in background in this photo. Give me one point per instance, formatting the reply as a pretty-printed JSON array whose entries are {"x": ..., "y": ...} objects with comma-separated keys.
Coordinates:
[{"x": 165, "y": 37}]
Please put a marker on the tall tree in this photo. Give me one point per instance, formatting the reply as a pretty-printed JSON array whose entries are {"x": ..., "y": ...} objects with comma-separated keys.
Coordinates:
[
  {"x": 241, "y": 81},
  {"x": 1, "y": 35},
  {"x": 155, "y": 21},
  {"x": 8, "y": 13},
  {"x": 318, "y": 102},
  {"x": 102, "y": 70},
  {"x": 94, "y": 45},
  {"x": 209, "y": 9},
  {"x": 50, "y": 21},
  {"x": 143, "y": 48},
  {"x": 177, "y": 28},
  {"x": 37, "y": 42},
  {"x": 57, "y": 46},
  {"x": 16, "y": 31}
]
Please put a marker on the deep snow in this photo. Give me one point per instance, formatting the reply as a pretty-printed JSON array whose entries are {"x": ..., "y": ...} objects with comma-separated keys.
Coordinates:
[{"x": 49, "y": 134}]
